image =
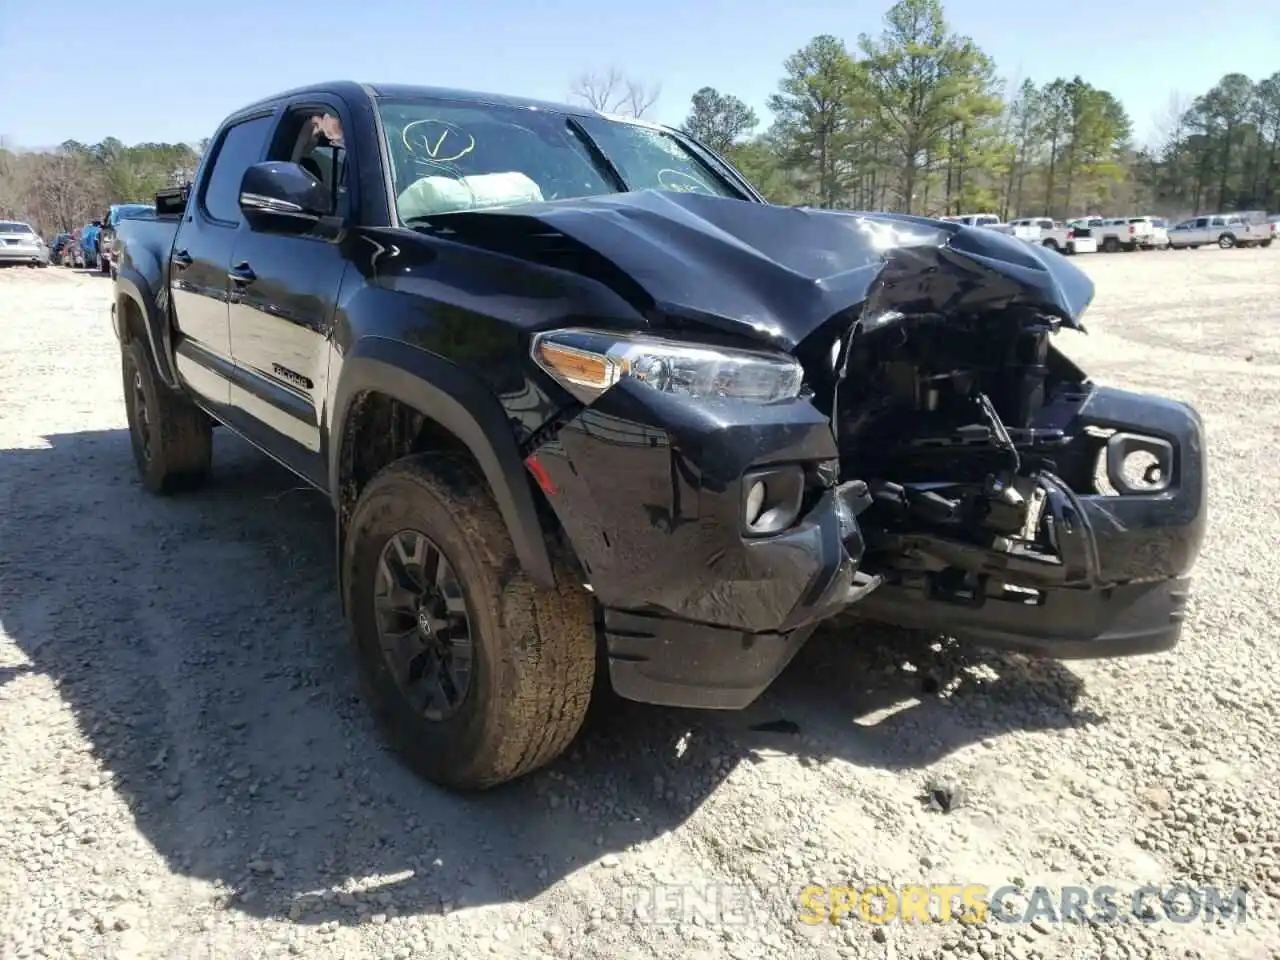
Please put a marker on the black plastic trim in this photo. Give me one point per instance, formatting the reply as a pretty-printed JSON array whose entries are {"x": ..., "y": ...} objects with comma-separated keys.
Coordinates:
[{"x": 463, "y": 406}]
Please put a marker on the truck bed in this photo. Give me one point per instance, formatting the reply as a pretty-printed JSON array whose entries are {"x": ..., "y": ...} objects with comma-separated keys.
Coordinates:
[{"x": 143, "y": 247}]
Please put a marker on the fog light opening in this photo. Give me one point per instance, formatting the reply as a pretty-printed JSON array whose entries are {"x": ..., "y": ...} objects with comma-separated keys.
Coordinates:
[{"x": 755, "y": 502}]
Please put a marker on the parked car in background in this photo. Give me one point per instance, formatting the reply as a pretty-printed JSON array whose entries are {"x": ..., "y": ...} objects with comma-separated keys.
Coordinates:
[
  {"x": 1126, "y": 233},
  {"x": 58, "y": 248},
  {"x": 1161, "y": 233},
  {"x": 1152, "y": 233},
  {"x": 107, "y": 235},
  {"x": 1226, "y": 230},
  {"x": 975, "y": 219},
  {"x": 89, "y": 234},
  {"x": 1056, "y": 235},
  {"x": 991, "y": 222},
  {"x": 20, "y": 244}
]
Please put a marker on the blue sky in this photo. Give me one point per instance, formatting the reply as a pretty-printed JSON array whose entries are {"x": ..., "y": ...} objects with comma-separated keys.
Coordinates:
[{"x": 138, "y": 70}]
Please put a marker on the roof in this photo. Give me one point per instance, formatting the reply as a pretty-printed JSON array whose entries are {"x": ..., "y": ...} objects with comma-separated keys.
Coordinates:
[{"x": 402, "y": 91}]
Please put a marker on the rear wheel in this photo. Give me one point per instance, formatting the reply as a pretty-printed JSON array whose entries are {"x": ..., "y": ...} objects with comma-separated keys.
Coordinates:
[
  {"x": 1265, "y": 243},
  {"x": 1226, "y": 241},
  {"x": 475, "y": 674},
  {"x": 1111, "y": 245},
  {"x": 172, "y": 438}
]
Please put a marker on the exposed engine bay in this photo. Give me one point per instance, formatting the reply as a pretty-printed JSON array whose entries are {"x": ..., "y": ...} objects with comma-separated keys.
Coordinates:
[{"x": 962, "y": 433}]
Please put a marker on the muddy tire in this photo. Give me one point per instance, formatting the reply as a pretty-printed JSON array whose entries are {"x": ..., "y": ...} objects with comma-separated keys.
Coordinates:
[
  {"x": 475, "y": 674},
  {"x": 172, "y": 438}
]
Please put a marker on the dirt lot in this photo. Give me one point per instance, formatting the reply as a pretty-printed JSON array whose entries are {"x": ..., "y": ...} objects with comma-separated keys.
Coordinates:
[{"x": 188, "y": 772}]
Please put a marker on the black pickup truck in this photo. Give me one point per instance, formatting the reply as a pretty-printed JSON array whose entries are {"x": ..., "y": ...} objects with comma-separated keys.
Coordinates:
[{"x": 575, "y": 389}]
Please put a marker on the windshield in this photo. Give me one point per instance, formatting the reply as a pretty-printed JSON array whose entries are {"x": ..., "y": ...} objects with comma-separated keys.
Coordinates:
[
  {"x": 8, "y": 226},
  {"x": 447, "y": 157}
]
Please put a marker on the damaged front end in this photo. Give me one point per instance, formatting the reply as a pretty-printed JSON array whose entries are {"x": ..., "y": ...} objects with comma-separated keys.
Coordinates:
[
  {"x": 816, "y": 412},
  {"x": 1011, "y": 501}
]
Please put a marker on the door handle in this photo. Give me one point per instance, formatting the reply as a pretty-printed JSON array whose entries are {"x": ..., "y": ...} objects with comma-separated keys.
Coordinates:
[
  {"x": 180, "y": 259},
  {"x": 242, "y": 274}
]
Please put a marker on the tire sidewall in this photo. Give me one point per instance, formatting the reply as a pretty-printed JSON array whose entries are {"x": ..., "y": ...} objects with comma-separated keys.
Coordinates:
[{"x": 395, "y": 504}]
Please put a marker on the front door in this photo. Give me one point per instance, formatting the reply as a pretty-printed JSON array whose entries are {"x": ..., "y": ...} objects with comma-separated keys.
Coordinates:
[
  {"x": 198, "y": 263},
  {"x": 283, "y": 297}
]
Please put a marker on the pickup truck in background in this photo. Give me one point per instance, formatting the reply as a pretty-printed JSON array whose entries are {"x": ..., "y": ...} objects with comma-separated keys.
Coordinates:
[
  {"x": 106, "y": 260},
  {"x": 1225, "y": 230},
  {"x": 1056, "y": 236},
  {"x": 1125, "y": 233},
  {"x": 573, "y": 388},
  {"x": 990, "y": 221}
]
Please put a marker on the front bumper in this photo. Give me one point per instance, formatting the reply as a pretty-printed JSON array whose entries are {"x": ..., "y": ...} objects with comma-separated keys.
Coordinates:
[
  {"x": 1130, "y": 555},
  {"x": 649, "y": 489}
]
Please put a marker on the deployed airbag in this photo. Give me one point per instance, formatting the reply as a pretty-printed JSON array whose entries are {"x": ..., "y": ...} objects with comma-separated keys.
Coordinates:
[{"x": 440, "y": 194}]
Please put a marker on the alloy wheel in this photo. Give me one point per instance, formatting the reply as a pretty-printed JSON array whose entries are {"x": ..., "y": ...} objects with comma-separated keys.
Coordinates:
[{"x": 423, "y": 626}]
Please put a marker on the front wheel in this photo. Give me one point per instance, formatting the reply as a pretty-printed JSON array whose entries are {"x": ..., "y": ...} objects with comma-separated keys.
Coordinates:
[
  {"x": 172, "y": 438},
  {"x": 475, "y": 674}
]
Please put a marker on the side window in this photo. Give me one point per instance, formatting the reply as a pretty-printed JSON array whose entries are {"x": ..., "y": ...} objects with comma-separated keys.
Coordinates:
[
  {"x": 312, "y": 137},
  {"x": 241, "y": 147},
  {"x": 1201, "y": 223}
]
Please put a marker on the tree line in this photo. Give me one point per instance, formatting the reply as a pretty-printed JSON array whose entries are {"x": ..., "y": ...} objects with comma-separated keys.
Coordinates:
[
  {"x": 61, "y": 190},
  {"x": 915, "y": 119}
]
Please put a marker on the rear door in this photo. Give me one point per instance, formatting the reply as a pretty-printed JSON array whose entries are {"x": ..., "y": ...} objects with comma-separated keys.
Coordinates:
[
  {"x": 201, "y": 257},
  {"x": 283, "y": 298}
]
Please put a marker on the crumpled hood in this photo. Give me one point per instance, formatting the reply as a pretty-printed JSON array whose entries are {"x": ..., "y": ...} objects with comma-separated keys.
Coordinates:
[{"x": 784, "y": 271}]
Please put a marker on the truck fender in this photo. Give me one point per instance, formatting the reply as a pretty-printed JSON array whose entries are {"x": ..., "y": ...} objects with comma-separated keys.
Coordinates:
[
  {"x": 131, "y": 285},
  {"x": 464, "y": 407}
]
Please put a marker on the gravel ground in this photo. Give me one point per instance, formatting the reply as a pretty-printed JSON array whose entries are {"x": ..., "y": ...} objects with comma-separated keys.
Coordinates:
[{"x": 188, "y": 771}]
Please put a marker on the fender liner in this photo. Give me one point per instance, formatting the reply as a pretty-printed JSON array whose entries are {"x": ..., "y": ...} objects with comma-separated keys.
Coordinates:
[
  {"x": 132, "y": 285},
  {"x": 463, "y": 406}
]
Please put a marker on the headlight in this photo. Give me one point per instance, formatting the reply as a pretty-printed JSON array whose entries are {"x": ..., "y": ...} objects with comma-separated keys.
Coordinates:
[{"x": 589, "y": 362}]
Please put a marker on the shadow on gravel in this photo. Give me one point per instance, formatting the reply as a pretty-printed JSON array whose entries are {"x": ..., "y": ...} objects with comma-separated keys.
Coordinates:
[{"x": 199, "y": 641}]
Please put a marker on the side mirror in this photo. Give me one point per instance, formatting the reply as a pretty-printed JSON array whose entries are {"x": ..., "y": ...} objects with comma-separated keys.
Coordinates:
[{"x": 278, "y": 197}]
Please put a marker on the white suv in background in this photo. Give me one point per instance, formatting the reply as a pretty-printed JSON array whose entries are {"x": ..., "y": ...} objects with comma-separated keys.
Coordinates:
[{"x": 1226, "y": 230}]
